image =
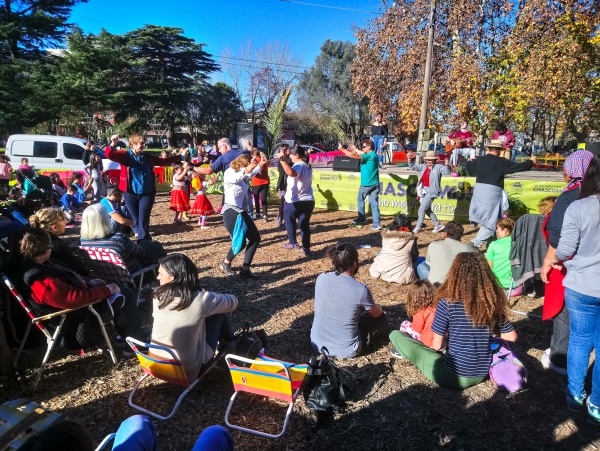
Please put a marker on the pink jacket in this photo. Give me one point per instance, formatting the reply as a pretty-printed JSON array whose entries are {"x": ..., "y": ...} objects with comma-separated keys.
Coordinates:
[
  {"x": 5, "y": 170},
  {"x": 508, "y": 138}
]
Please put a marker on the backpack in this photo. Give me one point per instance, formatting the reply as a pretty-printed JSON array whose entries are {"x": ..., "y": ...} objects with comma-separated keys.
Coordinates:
[{"x": 506, "y": 372}]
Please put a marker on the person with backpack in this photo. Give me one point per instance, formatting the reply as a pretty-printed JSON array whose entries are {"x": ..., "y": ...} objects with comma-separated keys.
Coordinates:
[{"x": 471, "y": 306}]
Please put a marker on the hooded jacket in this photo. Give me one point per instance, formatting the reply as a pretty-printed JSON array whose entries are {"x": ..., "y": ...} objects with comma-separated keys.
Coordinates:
[{"x": 395, "y": 262}]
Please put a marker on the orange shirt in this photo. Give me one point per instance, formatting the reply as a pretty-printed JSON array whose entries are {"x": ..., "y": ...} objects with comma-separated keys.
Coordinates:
[
  {"x": 422, "y": 321},
  {"x": 262, "y": 178}
]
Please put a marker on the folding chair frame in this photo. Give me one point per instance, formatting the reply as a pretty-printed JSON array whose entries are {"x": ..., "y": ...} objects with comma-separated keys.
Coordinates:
[
  {"x": 278, "y": 364},
  {"x": 51, "y": 339},
  {"x": 104, "y": 443}
]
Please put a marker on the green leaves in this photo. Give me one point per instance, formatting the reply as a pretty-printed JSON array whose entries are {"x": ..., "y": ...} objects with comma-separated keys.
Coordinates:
[{"x": 274, "y": 120}]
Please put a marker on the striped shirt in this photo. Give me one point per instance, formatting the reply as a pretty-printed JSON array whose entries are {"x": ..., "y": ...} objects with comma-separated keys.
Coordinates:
[{"x": 469, "y": 353}]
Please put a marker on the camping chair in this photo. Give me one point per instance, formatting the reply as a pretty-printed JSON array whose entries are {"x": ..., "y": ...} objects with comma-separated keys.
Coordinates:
[
  {"x": 51, "y": 339},
  {"x": 20, "y": 420},
  {"x": 166, "y": 369},
  {"x": 108, "y": 265},
  {"x": 265, "y": 377}
]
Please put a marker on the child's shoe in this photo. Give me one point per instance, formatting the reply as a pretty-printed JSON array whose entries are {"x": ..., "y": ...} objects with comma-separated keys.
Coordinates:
[
  {"x": 593, "y": 414},
  {"x": 576, "y": 403},
  {"x": 204, "y": 227}
]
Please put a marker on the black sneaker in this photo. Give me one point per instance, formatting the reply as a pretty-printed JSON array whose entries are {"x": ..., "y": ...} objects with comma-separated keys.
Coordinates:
[
  {"x": 227, "y": 269},
  {"x": 248, "y": 274},
  {"x": 394, "y": 352}
]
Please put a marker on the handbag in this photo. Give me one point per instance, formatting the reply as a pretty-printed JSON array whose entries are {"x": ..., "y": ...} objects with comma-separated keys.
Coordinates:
[{"x": 506, "y": 372}]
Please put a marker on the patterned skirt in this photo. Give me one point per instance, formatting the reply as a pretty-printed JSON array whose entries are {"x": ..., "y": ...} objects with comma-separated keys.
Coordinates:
[
  {"x": 179, "y": 200},
  {"x": 202, "y": 206}
]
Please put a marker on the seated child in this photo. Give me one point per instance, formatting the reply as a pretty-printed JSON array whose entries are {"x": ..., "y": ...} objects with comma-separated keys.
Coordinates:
[
  {"x": 498, "y": 253},
  {"x": 26, "y": 169},
  {"x": 420, "y": 305},
  {"x": 69, "y": 203},
  {"x": 398, "y": 254},
  {"x": 546, "y": 205},
  {"x": 81, "y": 194},
  {"x": 470, "y": 308}
]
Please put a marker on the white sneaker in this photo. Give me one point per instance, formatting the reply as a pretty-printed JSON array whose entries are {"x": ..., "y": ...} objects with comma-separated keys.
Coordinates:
[
  {"x": 546, "y": 363},
  {"x": 416, "y": 230},
  {"x": 204, "y": 227},
  {"x": 438, "y": 229}
]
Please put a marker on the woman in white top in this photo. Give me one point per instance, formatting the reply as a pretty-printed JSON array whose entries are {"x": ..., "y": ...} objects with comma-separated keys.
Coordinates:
[
  {"x": 235, "y": 187},
  {"x": 186, "y": 319},
  {"x": 299, "y": 199}
]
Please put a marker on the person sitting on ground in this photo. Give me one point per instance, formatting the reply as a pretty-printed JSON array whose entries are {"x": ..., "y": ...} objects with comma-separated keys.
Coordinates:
[
  {"x": 54, "y": 222},
  {"x": 421, "y": 306},
  {"x": 51, "y": 286},
  {"x": 120, "y": 219},
  {"x": 347, "y": 320},
  {"x": 498, "y": 253},
  {"x": 96, "y": 231},
  {"x": 69, "y": 203},
  {"x": 398, "y": 254},
  {"x": 440, "y": 254},
  {"x": 188, "y": 320},
  {"x": 58, "y": 185},
  {"x": 470, "y": 307},
  {"x": 81, "y": 194}
]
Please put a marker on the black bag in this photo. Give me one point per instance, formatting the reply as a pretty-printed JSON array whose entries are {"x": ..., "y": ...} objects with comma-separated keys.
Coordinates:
[
  {"x": 248, "y": 344},
  {"x": 327, "y": 387}
]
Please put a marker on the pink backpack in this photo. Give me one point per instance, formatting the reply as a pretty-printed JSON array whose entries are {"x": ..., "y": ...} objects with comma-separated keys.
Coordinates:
[{"x": 506, "y": 372}]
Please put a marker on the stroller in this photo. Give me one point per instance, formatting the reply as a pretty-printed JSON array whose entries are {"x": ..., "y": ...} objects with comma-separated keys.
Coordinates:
[{"x": 37, "y": 187}]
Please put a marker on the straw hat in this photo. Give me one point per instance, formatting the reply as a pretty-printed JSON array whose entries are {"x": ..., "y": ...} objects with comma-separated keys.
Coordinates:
[
  {"x": 495, "y": 144},
  {"x": 430, "y": 155}
]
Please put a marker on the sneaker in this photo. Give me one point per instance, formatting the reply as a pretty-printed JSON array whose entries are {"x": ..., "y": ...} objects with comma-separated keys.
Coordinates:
[
  {"x": 248, "y": 274},
  {"x": 547, "y": 363},
  {"x": 204, "y": 227},
  {"x": 265, "y": 219},
  {"x": 306, "y": 251},
  {"x": 593, "y": 414},
  {"x": 394, "y": 352},
  {"x": 127, "y": 352},
  {"x": 376, "y": 227},
  {"x": 416, "y": 230},
  {"x": 227, "y": 269},
  {"x": 576, "y": 403},
  {"x": 291, "y": 246},
  {"x": 471, "y": 245},
  {"x": 438, "y": 229},
  {"x": 358, "y": 221}
]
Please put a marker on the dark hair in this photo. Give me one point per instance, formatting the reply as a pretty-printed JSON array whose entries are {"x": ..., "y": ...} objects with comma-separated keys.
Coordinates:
[
  {"x": 369, "y": 142},
  {"x": 75, "y": 176},
  {"x": 183, "y": 285},
  {"x": 501, "y": 126},
  {"x": 400, "y": 222},
  {"x": 27, "y": 244},
  {"x": 343, "y": 256},
  {"x": 590, "y": 185},
  {"x": 112, "y": 189},
  {"x": 59, "y": 436},
  {"x": 72, "y": 188},
  {"x": 297, "y": 149},
  {"x": 284, "y": 147},
  {"x": 454, "y": 230},
  {"x": 506, "y": 224}
]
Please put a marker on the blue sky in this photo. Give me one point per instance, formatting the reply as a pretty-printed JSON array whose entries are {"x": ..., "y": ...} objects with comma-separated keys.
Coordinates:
[{"x": 224, "y": 24}]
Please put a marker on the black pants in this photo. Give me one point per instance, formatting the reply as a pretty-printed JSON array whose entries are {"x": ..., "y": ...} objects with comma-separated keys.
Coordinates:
[
  {"x": 369, "y": 329},
  {"x": 140, "y": 207},
  {"x": 251, "y": 240},
  {"x": 260, "y": 192},
  {"x": 559, "y": 343},
  {"x": 302, "y": 212}
]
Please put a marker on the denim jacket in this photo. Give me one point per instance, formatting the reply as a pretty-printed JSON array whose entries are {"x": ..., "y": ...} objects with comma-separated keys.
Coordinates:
[{"x": 437, "y": 170}]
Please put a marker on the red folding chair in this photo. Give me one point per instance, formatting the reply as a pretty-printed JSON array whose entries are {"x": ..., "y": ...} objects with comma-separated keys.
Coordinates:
[{"x": 51, "y": 339}]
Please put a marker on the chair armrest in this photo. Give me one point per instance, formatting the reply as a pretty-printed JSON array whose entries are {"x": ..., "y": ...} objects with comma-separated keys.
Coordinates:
[
  {"x": 62, "y": 312},
  {"x": 143, "y": 270}
]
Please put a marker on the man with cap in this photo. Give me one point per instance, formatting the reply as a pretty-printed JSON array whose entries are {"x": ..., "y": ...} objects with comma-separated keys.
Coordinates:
[
  {"x": 487, "y": 204},
  {"x": 429, "y": 186}
]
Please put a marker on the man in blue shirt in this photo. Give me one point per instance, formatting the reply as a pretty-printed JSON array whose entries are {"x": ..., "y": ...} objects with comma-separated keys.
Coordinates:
[
  {"x": 369, "y": 181},
  {"x": 120, "y": 220}
]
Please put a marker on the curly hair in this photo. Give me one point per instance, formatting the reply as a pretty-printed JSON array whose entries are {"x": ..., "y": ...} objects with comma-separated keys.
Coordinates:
[
  {"x": 240, "y": 162},
  {"x": 46, "y": 218},
  {"x": 472, "y": 282},
  {"x": 419, "y": 296}
]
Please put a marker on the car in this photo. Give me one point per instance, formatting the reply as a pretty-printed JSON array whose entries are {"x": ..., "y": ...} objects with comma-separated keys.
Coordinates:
[{"x": 312, "y": 149}]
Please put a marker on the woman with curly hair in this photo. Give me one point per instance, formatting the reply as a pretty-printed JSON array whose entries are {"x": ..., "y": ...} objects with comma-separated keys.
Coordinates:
[{"x": 470, "y": 307}]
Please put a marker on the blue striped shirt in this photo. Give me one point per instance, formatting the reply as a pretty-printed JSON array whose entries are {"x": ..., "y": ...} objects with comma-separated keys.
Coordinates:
[{"x": 468, "y": 353}]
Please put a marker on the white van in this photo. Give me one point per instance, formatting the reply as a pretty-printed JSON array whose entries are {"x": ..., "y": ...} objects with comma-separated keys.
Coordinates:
[{"x": 54, "y": 153}]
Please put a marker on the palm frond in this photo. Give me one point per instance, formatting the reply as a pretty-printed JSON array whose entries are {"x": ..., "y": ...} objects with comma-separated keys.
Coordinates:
[{"x": 274, "y": 120}]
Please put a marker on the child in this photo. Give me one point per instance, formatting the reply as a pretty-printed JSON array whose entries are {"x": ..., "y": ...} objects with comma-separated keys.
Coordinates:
[
  {"x": 497, "y": 255},
  {"x": 5, "y": 171},
  {"x": 420, "y": 305},
  {"x": 398, "y": 253},
  {"x": 179, "y": 199},
  {"x": 68, "y": 201},
  {"x": 546, "y": 205},
  {"x": 80, "y": 195},
  {"x": 58, "y": 185},
  {"x": 96, "y": 170},
  {"x": 202, "y": 205},
  {"x": 25, "y": 167},
  {"x": 470, "y": 308}
]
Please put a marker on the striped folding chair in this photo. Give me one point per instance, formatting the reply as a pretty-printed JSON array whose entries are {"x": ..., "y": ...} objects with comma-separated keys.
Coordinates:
[
  {"x": 51, "y": 339},
  {"x": 265, "y": 377},
  {"x": 166, "y": 369},
  {"x": 108, "y": 265}
]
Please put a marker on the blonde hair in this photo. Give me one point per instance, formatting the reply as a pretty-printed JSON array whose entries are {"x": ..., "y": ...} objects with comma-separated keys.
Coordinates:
[
  {"x": 46, "y": 218},
  {"x": 135, "y": 138},
  {"x": 240, "y": 162},
  {"x": 95, "y": 223},
  {"x": 546, "y": 205}
]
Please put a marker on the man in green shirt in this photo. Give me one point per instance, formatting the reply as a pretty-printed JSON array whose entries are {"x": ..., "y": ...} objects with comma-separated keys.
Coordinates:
[{"x": 369, "y": 181}]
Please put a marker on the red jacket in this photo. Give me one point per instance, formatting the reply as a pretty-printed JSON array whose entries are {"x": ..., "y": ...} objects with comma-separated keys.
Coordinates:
[
  {"x": 509, "y": 138},
  {"x": 53, "y": 291},
  {"x": 123, "y": 158}
]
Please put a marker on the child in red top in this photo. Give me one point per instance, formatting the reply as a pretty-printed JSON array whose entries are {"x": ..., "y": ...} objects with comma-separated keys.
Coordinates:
[
  {"x": 179, "y": 198},
  {"x": 260, "y": 187},
  {"x": 420, "y": 305},
  {"x": 202, "y": 205}
]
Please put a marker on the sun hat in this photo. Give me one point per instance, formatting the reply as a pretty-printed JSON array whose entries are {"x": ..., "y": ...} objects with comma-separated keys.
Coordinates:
[
  {"x": 495, "y": 144},
  {"x": 430, "y": 155}
]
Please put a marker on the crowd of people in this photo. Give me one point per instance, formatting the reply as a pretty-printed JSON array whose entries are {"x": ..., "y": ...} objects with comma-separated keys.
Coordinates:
[{"x": 458, "y": 297}]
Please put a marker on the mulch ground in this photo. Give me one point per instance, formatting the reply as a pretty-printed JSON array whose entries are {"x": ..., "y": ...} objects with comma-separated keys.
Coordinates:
[{"x": 396, "y": 407}]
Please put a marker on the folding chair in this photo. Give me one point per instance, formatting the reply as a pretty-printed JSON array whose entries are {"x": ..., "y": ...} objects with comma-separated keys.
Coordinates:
[
  {"x": 51, "y": 339},
  {"x": 20, "y": 420},
  {"x": 168, "y": 370},
  {"x": 265, "y": 377},
  {"x": 110, "y": 267}
]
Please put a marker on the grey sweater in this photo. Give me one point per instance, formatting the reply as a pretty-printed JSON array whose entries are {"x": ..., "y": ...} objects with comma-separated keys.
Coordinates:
[
  {"x": 579, "y": 237},
  {"x": 437, "y": 170}
]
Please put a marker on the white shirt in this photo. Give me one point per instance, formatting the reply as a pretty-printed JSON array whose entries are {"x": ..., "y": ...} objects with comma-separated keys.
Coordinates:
[
  {"x": 299, "y": 188},
  {"x": 235, "y": 185}
]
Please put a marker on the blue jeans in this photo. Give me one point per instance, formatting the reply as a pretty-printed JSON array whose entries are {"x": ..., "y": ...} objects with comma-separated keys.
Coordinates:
[
  {"x": 423, "y": 270},
  {"x": 513, "y": 154},
  {"x": 378, "y": 141},
  {"x": 584, "y": 314},
  {"x": 424, "y": 209},
  {"x": 373, "y": 202}
]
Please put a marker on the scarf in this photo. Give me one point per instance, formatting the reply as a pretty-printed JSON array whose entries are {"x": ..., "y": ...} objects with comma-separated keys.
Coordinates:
[{"x": 575, "y": 166}]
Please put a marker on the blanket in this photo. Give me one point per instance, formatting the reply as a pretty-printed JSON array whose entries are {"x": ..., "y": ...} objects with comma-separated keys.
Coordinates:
[{"x": 528, "y": 248}]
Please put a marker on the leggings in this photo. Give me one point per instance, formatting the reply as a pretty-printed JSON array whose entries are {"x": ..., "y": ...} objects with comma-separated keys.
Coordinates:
[
  {"x": 140, "y": 207},
  {"x": 251, "y": 240},
  {"x": 301, "y": 211},
  {"x": 260, "y": 191}
]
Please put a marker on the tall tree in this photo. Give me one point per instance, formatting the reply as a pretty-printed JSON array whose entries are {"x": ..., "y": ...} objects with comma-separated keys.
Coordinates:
[{"x": 326, "y": 90}]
